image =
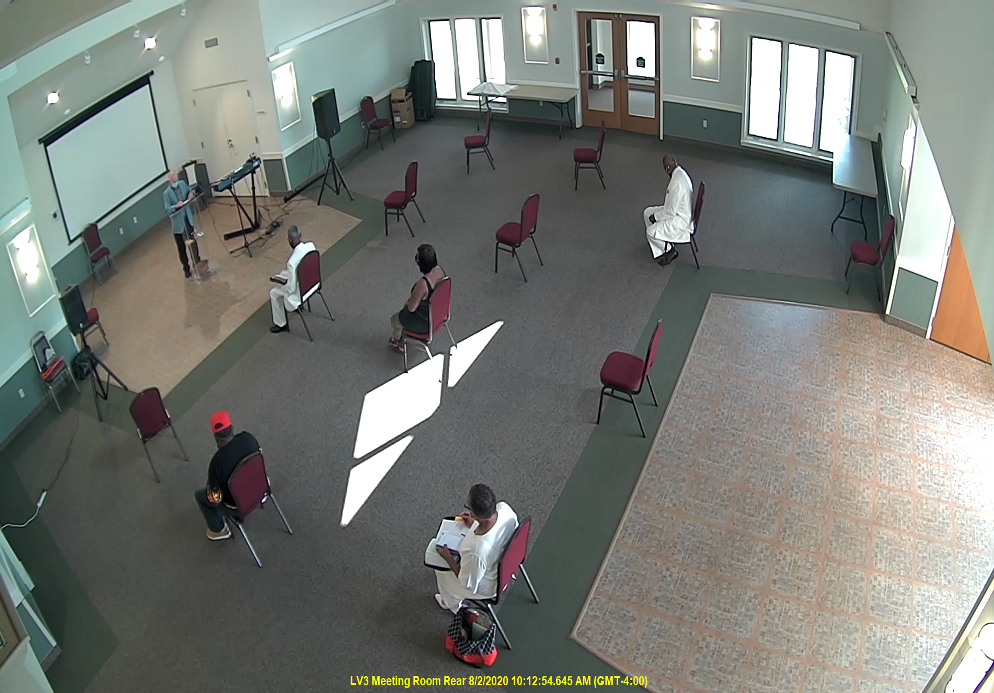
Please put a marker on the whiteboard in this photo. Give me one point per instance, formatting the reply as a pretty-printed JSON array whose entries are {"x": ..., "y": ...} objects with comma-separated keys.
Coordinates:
[
  {"x": 106, "y": 159},
  {"x": 928, "y": 218}
]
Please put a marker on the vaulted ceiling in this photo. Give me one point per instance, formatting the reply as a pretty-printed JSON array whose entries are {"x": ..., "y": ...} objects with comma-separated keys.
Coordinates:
[{"x": 27, "y": 24}]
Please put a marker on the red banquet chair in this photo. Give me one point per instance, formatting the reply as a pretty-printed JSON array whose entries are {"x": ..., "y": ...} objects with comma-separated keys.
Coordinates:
[
  {"x": 396, "y": 202},
  {"x": 93, "y": 323},
  {"x": 695, "y": 222},
  {"x": 622, "y": 376},
  {"x": 99, "y": 255},
  {"x": 479, "y": 143},
  {"x": 151, "y": 418},
  {"x": 512, "y": 561},
  {"x": 309, "y": 283},
  {"x": 250, "y": 487},
  {"x": 589, "y": 158},
  {"x": 51, "y": 368},
  {"x": 373, "y": 122},
  {"x": 865, "y": 254},
  {"x": 511, "y": 235},
  {"x": 439, "y": 305}
]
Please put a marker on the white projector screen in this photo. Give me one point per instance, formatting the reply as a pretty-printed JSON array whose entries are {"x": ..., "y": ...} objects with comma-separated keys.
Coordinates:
[{"x": 104, "y": 156}]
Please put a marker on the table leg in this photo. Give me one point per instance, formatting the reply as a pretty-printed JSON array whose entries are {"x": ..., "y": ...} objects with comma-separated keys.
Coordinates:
[
  {"x": 839, "y": 215},
  {"x": 862, "y": 199},
  {"x": 569, "y": 112},
  {"x": 560, "y": 107}
]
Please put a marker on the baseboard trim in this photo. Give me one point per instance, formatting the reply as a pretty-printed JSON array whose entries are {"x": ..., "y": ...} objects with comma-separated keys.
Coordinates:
[{"x": 905, "y": 325}]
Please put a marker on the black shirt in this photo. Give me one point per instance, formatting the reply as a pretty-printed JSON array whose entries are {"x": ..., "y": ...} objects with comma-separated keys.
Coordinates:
[{"x": 225, "y": 460}]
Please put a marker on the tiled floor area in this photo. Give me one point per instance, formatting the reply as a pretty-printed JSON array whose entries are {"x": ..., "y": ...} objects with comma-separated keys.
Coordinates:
[{"x": 816, "y": 514}]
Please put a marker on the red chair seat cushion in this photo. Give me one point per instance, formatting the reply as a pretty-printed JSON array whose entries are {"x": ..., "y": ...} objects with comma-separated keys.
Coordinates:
[
  {"x": 864, "y": 253},
  {"x": 379, "y": 124},
  {"x": 417, "y": 335},
  {"x": 475, "y": 142},
  {"x": 54, "y": 370},
  {"x": 585, "y": 156},
  {"x": 395, "y": 200},
  {"x": 98, "y": 254},
  {"x": 622, "y": 371},
  {"x": 92, "y": 315},
  {"x": 510, "y": 233}
]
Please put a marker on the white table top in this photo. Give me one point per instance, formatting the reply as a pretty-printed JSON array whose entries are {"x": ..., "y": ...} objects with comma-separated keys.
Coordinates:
[
  {"x": 537, "y": 92},
  {"x": 490, "y": 89},
  {"x": 852, "y": 167}
]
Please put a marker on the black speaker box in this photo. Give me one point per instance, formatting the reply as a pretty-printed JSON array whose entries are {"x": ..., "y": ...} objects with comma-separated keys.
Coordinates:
[
  {"x": 422, "y": 88},
  {"x": 74, "y": 309},
  {"x": 325, "y": 106}
]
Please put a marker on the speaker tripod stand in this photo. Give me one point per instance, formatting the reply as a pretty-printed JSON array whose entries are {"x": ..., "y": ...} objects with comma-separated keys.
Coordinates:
[
  {"x": 93, "y": 365},
  {"x": 337, "y": 179}
]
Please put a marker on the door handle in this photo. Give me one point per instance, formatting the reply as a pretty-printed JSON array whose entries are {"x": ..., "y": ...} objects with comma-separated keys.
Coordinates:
[{"x": 230, "y": 145}]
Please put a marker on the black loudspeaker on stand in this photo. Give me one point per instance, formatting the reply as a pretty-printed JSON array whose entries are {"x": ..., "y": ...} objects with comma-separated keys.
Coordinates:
[
  {"x": 327, "y": 125},
  {"x": 86, "y": 364}
]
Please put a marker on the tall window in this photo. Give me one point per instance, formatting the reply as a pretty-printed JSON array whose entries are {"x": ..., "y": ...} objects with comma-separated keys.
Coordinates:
[
  {"x": 800, "y": 97},
  {"x": 466, "y": 52}
]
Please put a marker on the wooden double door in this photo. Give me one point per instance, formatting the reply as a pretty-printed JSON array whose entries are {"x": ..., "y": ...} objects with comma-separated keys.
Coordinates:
[{"x": 619, "y": 71}]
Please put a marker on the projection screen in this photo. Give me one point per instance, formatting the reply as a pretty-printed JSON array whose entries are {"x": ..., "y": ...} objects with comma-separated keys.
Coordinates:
[{"x": 105, "y": 155}]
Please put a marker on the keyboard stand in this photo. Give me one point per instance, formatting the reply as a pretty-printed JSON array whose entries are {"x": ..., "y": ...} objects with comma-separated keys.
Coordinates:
[{"x": 253, "y": 222}]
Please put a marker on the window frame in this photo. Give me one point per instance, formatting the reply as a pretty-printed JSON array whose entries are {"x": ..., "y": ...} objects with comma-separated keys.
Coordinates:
[
  {"x": 815, "y": 150},
  {"x": 459, "y": 102}
]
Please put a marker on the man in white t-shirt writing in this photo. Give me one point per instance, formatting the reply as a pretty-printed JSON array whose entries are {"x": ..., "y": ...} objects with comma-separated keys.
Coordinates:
[{"x": 474, "y": 574}]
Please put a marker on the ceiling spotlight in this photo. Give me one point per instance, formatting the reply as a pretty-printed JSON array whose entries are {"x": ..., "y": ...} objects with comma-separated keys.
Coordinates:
[
  {"x": 150, "y": 43},
  {"x": 161, "y": 58},
  {"x": 137, "y": 32},
  {"x": 68, "y": 110},
  {"x": 182, "y": 10},
  {"x": 53, "y": 97},
  {"x": 86, "y": 57}
]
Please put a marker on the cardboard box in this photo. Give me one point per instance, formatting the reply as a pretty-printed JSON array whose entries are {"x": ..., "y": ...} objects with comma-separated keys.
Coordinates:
[{"x": 402, "y": 109}]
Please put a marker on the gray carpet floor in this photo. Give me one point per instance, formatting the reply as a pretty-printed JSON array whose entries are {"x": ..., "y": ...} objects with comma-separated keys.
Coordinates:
[{"x": 333, "y": 602}]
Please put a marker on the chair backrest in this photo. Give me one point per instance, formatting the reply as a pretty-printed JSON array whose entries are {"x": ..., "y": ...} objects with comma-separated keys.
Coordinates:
[
  {"x": 309, "y": 273},
  {"x": 368, "y": 109},
  {"x": 698, "y": 205},
  {"x": 39, "y": 349},
  {"x": 887, "y": 238},
  {"x": 249, "y": 484},
  {"x": 439, "y": 305},
  {"x": 148, "y": 413},
  {"x": 529, "y": 216},
  {"x": 91, "y": 238},
  {"x": 600, "y": 141},
  {"x": 650, "y": 354},
  {"x": 513, "y": 555},
  {"x": 486, "y": 138},
  {"x": 411, "y": 181}
]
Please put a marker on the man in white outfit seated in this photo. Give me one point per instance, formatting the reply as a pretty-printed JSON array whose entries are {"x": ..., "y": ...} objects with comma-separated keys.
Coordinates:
[
  {"x": 287, "y": 296},
  {"x": 474, "y": 574},
  {"x": 670, "y": 223}
]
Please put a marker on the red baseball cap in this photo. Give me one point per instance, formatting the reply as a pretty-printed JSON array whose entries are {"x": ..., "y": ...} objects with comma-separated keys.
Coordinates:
[{"x": 220, "y": 421}]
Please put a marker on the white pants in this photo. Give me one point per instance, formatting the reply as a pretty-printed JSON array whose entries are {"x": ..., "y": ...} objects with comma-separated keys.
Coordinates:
[
  {"x": 664, "y": 231},
  {"x": 658, "y": 246},
  {"x": 452, "y": 592},
  {"x": 277, "y": 299}
]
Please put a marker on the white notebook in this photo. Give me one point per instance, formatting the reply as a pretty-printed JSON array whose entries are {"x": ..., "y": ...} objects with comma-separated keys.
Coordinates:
[{"x": 450, "y": 535}]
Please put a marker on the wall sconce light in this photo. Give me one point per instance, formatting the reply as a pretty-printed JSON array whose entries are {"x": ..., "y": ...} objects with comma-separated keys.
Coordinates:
[
  {"x": 908, "y": 147},
  {"x": 535, "y": 36},
  {"x": 27, "y": 256},
  {"x": 34, "y": 279},
  {"x": 978, "y": 660},
  {"x": 285, "y": 90},
  {"x": 705, "y": 47}
]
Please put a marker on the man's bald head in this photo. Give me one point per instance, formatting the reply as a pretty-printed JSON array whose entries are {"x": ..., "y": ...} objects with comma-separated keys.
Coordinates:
[
  {"x": 669, "y": 164},
  {"x": 293, "y": 236},
  {"x": 172, "y": 176}
]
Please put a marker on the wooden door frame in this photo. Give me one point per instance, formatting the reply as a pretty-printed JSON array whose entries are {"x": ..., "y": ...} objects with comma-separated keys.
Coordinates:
[
  {"x": 638, "y": 123},
  {"x": 612, "y": 119}
]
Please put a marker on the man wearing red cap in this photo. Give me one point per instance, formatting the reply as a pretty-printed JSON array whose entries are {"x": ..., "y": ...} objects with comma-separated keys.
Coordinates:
[{"x": 215, "y": 499}]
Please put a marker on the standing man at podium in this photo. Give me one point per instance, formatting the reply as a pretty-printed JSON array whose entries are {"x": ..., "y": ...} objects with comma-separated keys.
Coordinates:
[{"x": 176, "y": 198}]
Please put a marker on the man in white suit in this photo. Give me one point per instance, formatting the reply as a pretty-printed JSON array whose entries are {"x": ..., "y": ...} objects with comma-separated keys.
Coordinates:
[
  {"x": 287, "y": 296},
  {"x": 670, "y": 223}
]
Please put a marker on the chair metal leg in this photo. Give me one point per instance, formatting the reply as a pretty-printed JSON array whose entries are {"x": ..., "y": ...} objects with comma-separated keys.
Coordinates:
[
  {"x": 280, "y": 511},
  {"x": 467, "y": 162},
  {"x": 407, "y": 222},
  {"x": 102, "y": 333},
  {"x": 693, "y": 249},
  {"x": 507, "y": 642},
  {"x": 154, "y": 473},
  {"x": 73, "y": 381},
  {"x": 529, "y": 581},
  {"x": 597, "y": 166},
  {"x": 55, "y": 399},
  {"x": 514, "y": 252},
  {"x": 600, "y": 406},
  {"x": 486, "y": 150},
  {"x": 386, "y": 221},
  {"x": 496, "y": 255},
  {"x": 404, "y": 341},
  {"x": 379, "y": 138},
  {"x": 451, "y": 338},
  {"x": 248, "y": 543},
  {"x": 651, "y": 391},
  {"x": 641, "y": 427},
  {"x": 876, "y": 284},
  {"x": 848, "y": 266},
  {"x": 326, "y": 306},
  {"x": 419, "y": 210},
  {"x": 848, "y": 278},
  {"x": 304, "y": 322},
  {"x": 393, "y": 134},
  {"x": 576, "y": 175},
  {"x": 367, "y": 138},
  {"x": 185, "y": 456},
  {"x": 536, "y": 252}
]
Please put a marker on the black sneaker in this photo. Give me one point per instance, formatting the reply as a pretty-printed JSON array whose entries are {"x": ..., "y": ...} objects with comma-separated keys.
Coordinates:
[
  {"x": 187, "y": 274},
  {"x": 276, "y": 328}
]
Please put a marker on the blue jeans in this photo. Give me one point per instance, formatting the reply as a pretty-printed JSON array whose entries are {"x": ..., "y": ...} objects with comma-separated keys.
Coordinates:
[{"x": 213, "y": 514}]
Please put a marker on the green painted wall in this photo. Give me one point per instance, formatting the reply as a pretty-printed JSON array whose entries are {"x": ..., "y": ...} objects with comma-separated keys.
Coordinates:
[
  {"x": 14, "y": 409},
  {"x": 519, "y": 108},
  {"x": 914, "y": 297},
  {"x": 275, "y": 178},
  {"x": 687, "y": 121}
]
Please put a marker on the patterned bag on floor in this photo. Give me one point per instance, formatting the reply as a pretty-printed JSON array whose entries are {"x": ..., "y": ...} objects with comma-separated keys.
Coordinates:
[{"x": 472, "y": 637}]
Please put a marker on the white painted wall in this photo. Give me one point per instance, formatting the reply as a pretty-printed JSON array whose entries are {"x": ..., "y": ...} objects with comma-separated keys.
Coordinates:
[
  {"x": 948, "y": 48},
  {"x": 284, "y": 20},
  {"x": 736, "y": 27},
  {"x": 22, "y": 673},
  {"x": 239, "y": 56}
]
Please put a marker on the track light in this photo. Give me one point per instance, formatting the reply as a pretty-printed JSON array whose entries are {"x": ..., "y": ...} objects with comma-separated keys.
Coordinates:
[
  {"x": 182, "y": 10},
  {"x": 53, "y": 97},
  {"x": 86, "y": 57},
  {"x": 161, "y": 58},
  {"x": 150, "y": 43},
  {"x": 137, "y": 32}
]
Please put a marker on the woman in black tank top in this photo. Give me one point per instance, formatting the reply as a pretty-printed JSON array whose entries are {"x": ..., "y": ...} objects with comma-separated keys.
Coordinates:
[{"x": 413, "y": 316}]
